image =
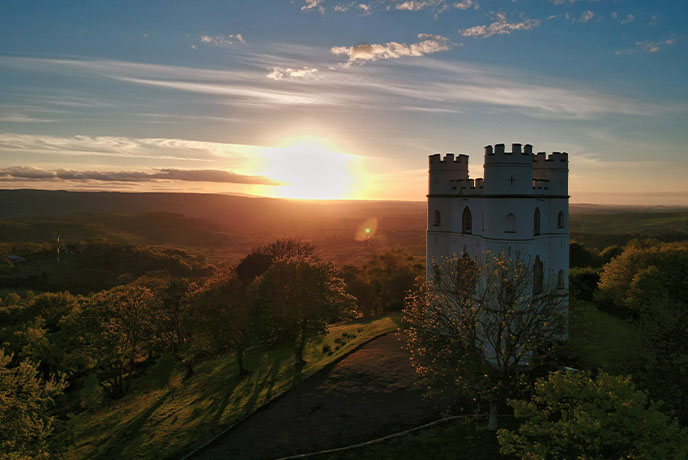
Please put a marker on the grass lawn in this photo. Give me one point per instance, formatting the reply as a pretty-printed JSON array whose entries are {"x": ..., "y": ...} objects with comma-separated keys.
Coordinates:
[
  {"x": 599, "y": 340},
  {"x": 170, "y": 422},
  {"x": 452, "y": 440}
]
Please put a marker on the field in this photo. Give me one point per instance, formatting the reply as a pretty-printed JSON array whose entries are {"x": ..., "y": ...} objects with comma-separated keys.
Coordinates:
[{"x": 170, "y": 422}]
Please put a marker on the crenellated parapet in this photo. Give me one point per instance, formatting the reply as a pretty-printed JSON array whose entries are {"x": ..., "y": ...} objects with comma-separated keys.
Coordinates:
[
  {"x": 515, "y": 172},
  {"x": 467, "y": 186},
  {"x": 450, "y": 161},
  {"x": 556, "y": 160},
  {"x": 499, "y": 155},
  {"x": 443, "y": 171}
]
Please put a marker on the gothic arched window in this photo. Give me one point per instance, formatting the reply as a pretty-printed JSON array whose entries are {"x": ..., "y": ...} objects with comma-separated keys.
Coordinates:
[
  {"x": 537, "y": 276},
  {"x": 560, "y": 279},
  {"x": 510, "y": 223},
  {"x": 536, "y": 222},
  {"x": 466, "y": 221},
  {"x": 436, "y": 218},
  {"x": 560, "y": 219}
]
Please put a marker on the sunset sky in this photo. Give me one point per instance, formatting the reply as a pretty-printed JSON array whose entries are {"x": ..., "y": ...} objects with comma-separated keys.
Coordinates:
[{"x": 337, "y": 99}]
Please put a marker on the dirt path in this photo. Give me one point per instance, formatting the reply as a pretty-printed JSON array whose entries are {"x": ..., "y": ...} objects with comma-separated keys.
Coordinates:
[{"x": 367, "y": 394}]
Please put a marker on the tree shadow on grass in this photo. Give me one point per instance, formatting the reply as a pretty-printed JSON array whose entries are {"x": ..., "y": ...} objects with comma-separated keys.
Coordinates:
[{"x": 122, "y": 437}]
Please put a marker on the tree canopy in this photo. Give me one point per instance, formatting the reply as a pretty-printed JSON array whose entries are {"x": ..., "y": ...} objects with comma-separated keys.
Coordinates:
[{"x": 575, "y": 416}]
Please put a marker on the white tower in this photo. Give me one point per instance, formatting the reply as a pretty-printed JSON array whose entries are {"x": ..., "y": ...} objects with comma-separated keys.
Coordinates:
[{"x": 520, "y": 208}]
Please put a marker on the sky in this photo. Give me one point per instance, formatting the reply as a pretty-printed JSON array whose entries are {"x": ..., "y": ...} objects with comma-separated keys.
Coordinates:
[{"x": 341, "y": 100}]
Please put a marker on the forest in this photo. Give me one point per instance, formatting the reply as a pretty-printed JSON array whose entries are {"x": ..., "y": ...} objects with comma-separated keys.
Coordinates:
[{"x": 98, "y": 325}]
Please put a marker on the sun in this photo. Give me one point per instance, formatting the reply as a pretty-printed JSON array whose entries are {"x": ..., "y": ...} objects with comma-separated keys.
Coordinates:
[{"x": 311, "y": 168}]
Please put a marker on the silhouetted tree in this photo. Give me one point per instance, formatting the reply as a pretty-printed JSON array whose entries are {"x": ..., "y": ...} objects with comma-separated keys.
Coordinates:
[
  {"x": 229, "y": 317},
  {"x": 304, "y": 296}
]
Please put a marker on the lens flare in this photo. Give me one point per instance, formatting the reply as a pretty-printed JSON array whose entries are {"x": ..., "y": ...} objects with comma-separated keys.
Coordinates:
[{"x": 366, "y": 229}]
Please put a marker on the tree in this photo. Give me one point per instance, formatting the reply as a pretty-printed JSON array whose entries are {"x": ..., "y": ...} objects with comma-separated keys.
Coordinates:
[
  {"x": 285, "y": 249},
  {"x": 25, "y": 400},
  {"x": 650, "y": 280},
  {"x": 303, "y": 296},
  {"x": 117, "y": 327},
  {"x": 381, "y": 284},
  {"x": 228, "y": 317},
  {"x": 477, "y": 324},
  {"x": 574, "y": 416}
]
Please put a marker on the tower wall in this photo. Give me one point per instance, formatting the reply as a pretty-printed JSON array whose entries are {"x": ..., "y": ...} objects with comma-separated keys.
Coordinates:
[
  {"x": 508, "y": 173},
  {"x": 502, "y": 207}
]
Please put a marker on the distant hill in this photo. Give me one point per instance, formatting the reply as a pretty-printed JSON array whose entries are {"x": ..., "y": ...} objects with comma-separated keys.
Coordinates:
[{"x": 235, "y": 224}]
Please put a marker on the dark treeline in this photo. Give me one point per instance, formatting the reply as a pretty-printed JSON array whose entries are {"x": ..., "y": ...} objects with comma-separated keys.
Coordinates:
[{"x": 142, "y": 311}]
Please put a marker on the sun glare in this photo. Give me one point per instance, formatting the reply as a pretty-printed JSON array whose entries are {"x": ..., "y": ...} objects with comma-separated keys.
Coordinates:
[{"x": 312, "y": 169}]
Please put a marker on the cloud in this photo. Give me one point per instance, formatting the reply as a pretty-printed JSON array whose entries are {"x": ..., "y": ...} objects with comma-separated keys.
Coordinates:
[
  {"x": 647, "y": 46},
  {"x": 222, "y": 41},
  {"x": 623, "y": 20},
  {"x": 561, "y": 2},
  {"x": 365, "y": 8},
  {"x": 586, "y": 16},
  {"x": 189, "y": 175},
  {"x": 429, "y": 44},
  {"x": 500, "y": 27},
  {"x": 156, "y": 149},
  {"x": 281, "y": 73},
  {"x": 415, "y": 5},
  {"x": 439, "y": 5},
  {"x": 20, "y": 118},
  {"x": 444, "y": 86},
  {"x": 313, "y": 4},
  {"x": 466, "y": 4}
]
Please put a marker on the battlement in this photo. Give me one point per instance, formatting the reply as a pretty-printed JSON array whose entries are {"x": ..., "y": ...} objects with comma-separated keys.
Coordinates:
[
  {"x": 449, "y": 161},
  {"x": 540, "y": 184},
  {"x": 466, "y": 186},
  {"x": 519, "y": 154},
  {"x": 554, "y": 160}
]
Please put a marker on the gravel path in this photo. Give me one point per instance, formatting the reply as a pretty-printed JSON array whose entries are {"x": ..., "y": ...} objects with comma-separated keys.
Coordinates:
[{"x": 367, "y": 394}]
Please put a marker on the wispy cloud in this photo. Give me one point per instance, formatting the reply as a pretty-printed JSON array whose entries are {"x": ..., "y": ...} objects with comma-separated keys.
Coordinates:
[
  {"x": 124, "y": 147},
  {"x": 223, "y": 40},
  {"x": 166, "y": 174},
  {"x": 21, "y": 118},
  {"x": 500, "y": 27},
  {"x": 429, "y": 44},
  {"x": 281, "y": 73},
  {"x": 439, "y": 6},
  {"x": 443, "y": 87},
  {"x": 647, "y": 47}
]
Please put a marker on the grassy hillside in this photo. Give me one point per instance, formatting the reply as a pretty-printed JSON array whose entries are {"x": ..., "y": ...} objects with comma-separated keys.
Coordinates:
[{"x": 169, "y": 422}]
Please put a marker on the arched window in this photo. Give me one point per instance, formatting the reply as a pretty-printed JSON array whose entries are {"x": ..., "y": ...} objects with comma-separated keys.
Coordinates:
[
  {"x": 536, "y": 222},
  {"x": 537, "y": 276},
  {"x": 466, "y": 221},
  {"x": 436, "y": 218},
  {"x": 560, "y": 279},
  {"x": 560, "y": 219},
  {"x": 510, "y": 223}
]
